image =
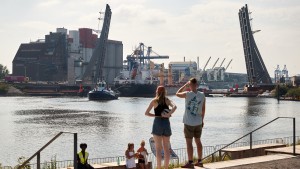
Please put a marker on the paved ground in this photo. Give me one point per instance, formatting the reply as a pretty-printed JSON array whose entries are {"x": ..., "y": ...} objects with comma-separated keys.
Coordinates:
[{"x": 291, "y": 163}]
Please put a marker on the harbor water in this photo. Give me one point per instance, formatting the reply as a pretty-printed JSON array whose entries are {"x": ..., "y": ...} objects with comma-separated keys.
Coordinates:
[{"x": 27, "y": 123}]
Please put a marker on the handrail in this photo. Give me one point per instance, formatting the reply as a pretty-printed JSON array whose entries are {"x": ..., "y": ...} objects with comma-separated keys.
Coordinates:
[
  {"x": 250, "y": 133},
  {"x": 37, "y": 154}
]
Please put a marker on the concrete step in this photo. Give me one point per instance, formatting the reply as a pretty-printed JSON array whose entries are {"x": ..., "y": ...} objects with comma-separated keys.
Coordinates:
[
  {"x": 245, "y": 161},
  {"x": 283, "y": 150}
]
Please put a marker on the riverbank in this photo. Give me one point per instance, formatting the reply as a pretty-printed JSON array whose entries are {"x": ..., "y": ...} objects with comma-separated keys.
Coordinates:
[
  {"x": 3, "y": 88},
  {"x": 9, "y": 90}
]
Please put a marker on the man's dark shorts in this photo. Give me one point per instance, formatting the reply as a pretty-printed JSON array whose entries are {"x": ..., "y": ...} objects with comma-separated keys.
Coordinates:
[{"x": 192, "y": 131}]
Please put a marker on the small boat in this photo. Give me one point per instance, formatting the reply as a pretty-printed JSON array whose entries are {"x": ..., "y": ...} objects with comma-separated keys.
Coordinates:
[
  {"x": 203, "y": 87},
  {"x": 102, "y": 92}
]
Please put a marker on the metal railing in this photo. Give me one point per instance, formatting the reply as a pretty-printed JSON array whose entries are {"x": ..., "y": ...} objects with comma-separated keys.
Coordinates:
[
  {"x": 251, "y": 141},
  {"x": 38, "y": 153},
  {"x": 181, "y": 152}
]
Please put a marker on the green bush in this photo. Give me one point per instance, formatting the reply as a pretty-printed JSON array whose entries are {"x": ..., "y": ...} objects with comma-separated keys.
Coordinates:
[
  {"x": 3, "y": 88},
  {"x": 282, "y": 90},
  {"x": 21, "y": 160},
  {"x": 294, "y": 93}
]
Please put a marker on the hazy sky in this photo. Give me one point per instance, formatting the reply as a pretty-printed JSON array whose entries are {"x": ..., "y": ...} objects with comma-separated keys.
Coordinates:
[{"x": 187, "y": 28}]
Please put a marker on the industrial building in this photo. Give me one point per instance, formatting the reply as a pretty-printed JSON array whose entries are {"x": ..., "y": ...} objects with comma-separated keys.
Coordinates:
[
  {"x": 181, "y": 70},
  {"x": 64, "y": 57},
  {"x": 43, "y": 60},
  {"x": 295, "y": 80}
]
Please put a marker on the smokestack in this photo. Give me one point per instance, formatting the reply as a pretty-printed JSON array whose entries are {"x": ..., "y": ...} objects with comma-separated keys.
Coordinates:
[
  {"x": 198, "y": 63},
  {"x": 183, "y": 58}
]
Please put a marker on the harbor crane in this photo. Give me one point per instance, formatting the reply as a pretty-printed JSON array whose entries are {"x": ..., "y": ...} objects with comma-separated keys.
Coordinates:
[
  {"x": 228, "y": 65},
  {"x": 206, "y": 63},
  {"x": 222, "y": 63},
  {"x": 215, "y": 63},
  {"x": 219, "y": 68},
  {"x": 139, "y": 53},
  {"x": 202, "y": 72}
]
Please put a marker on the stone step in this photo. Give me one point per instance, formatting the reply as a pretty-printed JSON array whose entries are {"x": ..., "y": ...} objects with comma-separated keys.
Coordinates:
[
  {"x": 246, "y": 161},
  {"x": 284, "y": 150}
]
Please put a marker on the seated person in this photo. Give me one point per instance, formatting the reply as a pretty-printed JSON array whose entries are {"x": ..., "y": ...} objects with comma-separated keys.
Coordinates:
[
  {"x": 143, "y": 153},
  {"x": 82, "y": 158}
]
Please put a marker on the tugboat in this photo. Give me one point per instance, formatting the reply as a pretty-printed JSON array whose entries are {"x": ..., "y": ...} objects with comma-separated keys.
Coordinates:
[
  {"x": 140, "y": 76},
  {"x": 203, "y": 87},
  {"x": 102, "y": 92}
]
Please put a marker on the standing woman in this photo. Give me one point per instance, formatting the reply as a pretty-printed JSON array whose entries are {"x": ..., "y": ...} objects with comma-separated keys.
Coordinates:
[{"x": 161, "y": 129}]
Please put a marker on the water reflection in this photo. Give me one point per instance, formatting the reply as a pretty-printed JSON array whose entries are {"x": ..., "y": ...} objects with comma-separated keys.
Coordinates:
[
  {"x": 255, "y": 107},
  {"x": 62, "y": 118}
]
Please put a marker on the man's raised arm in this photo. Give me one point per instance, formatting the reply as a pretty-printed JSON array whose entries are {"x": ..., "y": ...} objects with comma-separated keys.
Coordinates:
[{"x": 181, "y": 93}]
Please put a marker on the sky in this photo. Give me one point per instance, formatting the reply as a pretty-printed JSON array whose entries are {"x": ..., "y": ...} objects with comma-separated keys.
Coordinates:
[{"x": 181, "y": 28}]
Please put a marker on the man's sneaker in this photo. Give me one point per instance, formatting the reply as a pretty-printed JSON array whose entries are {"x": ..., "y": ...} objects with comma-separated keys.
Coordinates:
[
  {"x": 188, "y": 165},
  {"x": 199, "y": 164}
]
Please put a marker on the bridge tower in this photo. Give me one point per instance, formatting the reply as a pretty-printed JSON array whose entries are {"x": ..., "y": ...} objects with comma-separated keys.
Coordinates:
[
  {"x": 94, "y": 70},
  {"x": 256, "y": 69}
]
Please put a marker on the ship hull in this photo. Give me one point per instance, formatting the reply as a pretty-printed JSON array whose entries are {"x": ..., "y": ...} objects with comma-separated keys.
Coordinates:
[
  {"x": 101, "y": 95},
  {"x": 171, "y": 90},
  {"x": 136, "y": 90}
]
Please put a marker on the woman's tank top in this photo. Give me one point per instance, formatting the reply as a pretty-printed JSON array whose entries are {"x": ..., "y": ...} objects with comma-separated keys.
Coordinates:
[{"x": 160, "y": 107}]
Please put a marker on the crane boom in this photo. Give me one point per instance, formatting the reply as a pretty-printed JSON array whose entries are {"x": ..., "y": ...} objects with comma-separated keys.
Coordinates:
[
  {"x": 215, "y": 63},
  {"x": 228, "y": 65},
  {"x": 222, "y": 62},
  {"x": 206, "y": 63}
]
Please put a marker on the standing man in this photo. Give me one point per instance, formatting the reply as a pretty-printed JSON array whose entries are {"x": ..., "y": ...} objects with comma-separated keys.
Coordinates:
[{"x": 193, "y": 119}]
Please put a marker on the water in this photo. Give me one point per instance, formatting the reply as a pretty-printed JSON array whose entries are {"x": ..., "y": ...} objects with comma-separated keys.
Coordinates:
[{"x": 27, "y": 123}]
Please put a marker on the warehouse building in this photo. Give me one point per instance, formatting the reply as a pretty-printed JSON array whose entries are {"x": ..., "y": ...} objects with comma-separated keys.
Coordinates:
[{"x": 64, "y": 57}]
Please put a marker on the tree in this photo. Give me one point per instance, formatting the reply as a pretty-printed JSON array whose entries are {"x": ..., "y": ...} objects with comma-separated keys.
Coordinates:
[
  {"x": 282, "y": 90},
  {"x": 3, "y": 71}
]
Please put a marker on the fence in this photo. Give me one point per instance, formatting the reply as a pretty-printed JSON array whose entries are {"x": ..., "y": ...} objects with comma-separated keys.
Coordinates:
[{"x": 181, "y": 153}]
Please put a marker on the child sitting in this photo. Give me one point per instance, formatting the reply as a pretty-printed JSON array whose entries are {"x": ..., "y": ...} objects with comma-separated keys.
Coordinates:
[{"x": 142, "y": 156}]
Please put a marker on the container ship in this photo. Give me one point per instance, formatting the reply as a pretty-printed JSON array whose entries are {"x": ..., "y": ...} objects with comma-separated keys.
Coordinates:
[{"x": 139, "y": 78}]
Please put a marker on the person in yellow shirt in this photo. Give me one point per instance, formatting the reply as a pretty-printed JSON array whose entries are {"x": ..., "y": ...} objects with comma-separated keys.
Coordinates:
[{"x": 82, "y": 158}]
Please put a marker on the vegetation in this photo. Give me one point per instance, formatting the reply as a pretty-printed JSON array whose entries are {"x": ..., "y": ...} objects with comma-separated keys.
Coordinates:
[
  {"x": 51, "y": 165},
  {"x": 281, "y": 90},
  {"x": 288, "y": 92},
  {"x": 3, "y": 71},
  {"x": 3, "y": 88},
  {"x": 21, "y": 160},
  {"x": 294, "y": 93}
]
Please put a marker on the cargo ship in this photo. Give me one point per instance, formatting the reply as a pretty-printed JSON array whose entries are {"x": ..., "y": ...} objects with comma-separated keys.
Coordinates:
[{"x": 139, "y": 78}]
